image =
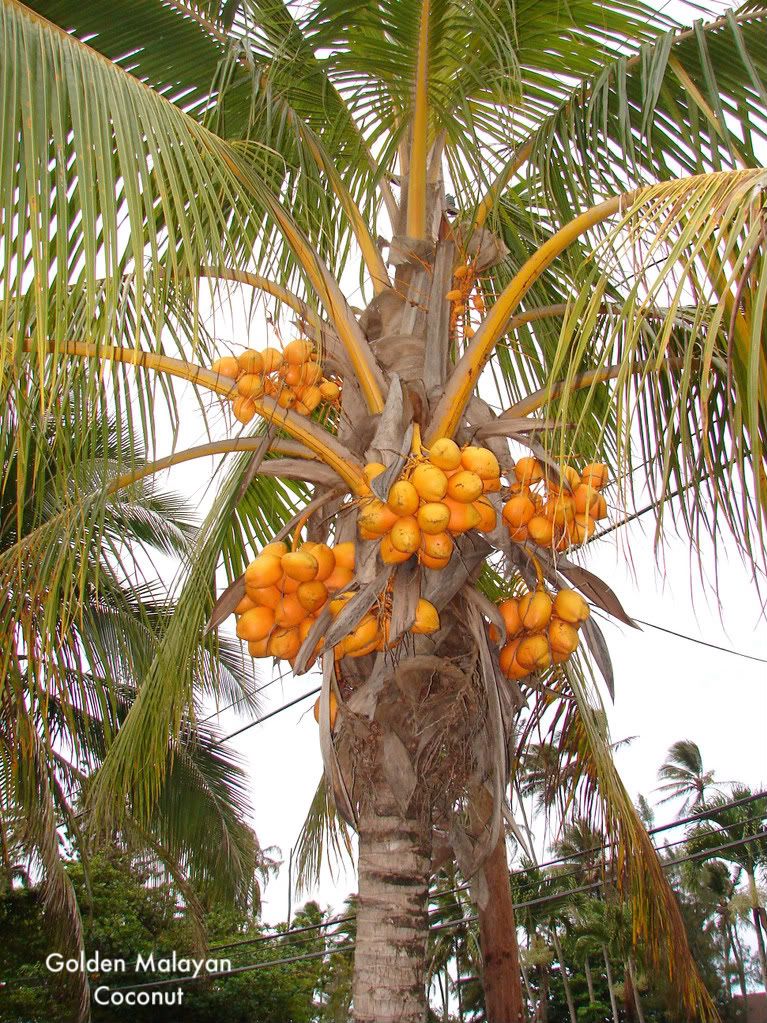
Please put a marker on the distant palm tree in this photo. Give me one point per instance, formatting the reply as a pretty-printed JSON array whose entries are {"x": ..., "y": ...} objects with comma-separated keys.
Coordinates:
[
  {"x": 683, "y": 775},
  {"x": 745, "y": 825}
]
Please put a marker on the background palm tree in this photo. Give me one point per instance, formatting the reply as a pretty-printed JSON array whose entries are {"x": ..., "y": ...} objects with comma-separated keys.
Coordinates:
[
  {"x": 683, "y": 776},
  {"x": 190, "y": 145}
]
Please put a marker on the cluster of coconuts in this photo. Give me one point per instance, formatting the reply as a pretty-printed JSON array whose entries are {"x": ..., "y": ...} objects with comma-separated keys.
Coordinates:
[
  {"x": 555, "y": 515},
  {"x": 285, "y": 590},
  {"x": 540, "y": 630},
  {"x": 372, "y": 633},
  {"x": 464, "y": 279},
  {"x": 293, "y": 377},
  {"x": 438, "y": 497}
]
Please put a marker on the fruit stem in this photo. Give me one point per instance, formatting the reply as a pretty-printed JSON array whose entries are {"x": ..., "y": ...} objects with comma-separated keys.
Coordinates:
[
  {"x": 417, "y": 449},
  {"x": 297, "y": 531},
  {"x": 538, "y": 572}
]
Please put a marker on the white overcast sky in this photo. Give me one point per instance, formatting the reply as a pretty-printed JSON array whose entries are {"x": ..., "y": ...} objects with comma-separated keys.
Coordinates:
[{"x": 666, "y": 688}]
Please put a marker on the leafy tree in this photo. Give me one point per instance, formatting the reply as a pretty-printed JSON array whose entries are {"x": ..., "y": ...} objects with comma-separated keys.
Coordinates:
[{"x": 603, "y": 175}]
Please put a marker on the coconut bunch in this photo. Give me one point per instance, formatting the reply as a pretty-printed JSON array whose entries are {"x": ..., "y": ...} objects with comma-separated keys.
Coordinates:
[
  {"x": 372, "y": 633},
  {"x": 553, "y": 514},
  {"x": 541, "y": 630},
  {"x": 460, "y": 295},
  {"x": 285, "y": 590},
  {"x": 293, "y": 377},
  {"x": 439, "y": 497}
]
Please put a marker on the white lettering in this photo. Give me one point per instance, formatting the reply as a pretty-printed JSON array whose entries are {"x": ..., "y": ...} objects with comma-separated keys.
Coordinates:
[
  {"x": 54, "y": 962},
  {"x": 104, "y": 996}
]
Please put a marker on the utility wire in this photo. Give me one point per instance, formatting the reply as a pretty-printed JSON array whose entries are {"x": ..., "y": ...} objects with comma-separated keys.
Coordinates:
[
  {"x": 702, "y": 642},
  {"x": 271, "y": 714},
  {"x": 670, "y": 825},
  {"x": 439, "y": 927}
]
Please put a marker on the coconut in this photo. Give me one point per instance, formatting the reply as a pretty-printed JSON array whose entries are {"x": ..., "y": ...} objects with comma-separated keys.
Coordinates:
[
  {"x": 251, "y": 361},
  {"x": 264, "y": 596},
  {"x": 259, "y": 648},
  {"x": 338, "y": 578},
  {"x": 250, "y": 385},
  {"x": 277, "y": 547},
  {"x": 272, "y": 359},
  {"x": 373, "y": 469},
  {"x": 570, "y": 479},
  {"x": 464, "y": 486},
  {"x": 437, "y": 545},
  {"x": 560, "y": 509},
  {"x": 481, "y": 462},
  {"x": 311, "y": 398},
  {"x": 324, "y": 557},
  {"x": 245, "y": 605},
  {"x": 518, "y": 510},
  {"x": 228, "y": 366},
  {"x": 487, "y": 513},
  {"x": 534, "y": 652},
  {"x": 528, "y": 470},
  {"x": 433, "y": 517},
  {"x": 583, "y": 527},
  {"x": 244, "y": 409},
  {"x": 298, "y": 352},
  {"x": 332, "y": 708},
  {"x": 266, "y": 570},
  {"x": 405, "y": 535},
  {"x": 571, "y": 607},
  {"x": 376, "y": 517},
  {"x": 389, "y": 553},
  {"x": 329, "y": 390},
  {"x": 509, "y": 610},
  {"x": 287, "y": 399},
  {"x": 519, "y": 534},
  {"x": 563, "y": 637},
  {"x": 429, "y": 481},
  {"x": 365, "y": 634},
  {"x": 541, "y": 530},
  {"x": 456, "y": 295},
  {"x": 436, "y": 564},
  {"x": 463, "y": 517},
  {"x": 312, "y": 595},
  {"x": 445, "y": 454},
  {"x": 508, "y": 661},
  {"x": 596, "y": 474},
  {"x": 289, "y": 611},
  {"x": 344, "y": 555},
  {"x": 300, "y": 565},
  {"x": 284, "y": 643},
  {"x": 426, "y": 618},
  {"x": 256, "y": 624},
  {"x": 535, "y": 610},
  {"x": 403, "y": 498}
]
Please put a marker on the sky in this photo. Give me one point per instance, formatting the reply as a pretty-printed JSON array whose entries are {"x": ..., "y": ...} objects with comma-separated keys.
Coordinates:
[{"x": 666, "y": 688}]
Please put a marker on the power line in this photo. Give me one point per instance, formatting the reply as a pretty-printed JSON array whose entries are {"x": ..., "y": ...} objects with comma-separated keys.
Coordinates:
[
  {"x": 271, "y": 714},
  {"x": 541, "y": 900},
  {"x": 668, "y": 826},
  {"x": 703, "y": 642}
]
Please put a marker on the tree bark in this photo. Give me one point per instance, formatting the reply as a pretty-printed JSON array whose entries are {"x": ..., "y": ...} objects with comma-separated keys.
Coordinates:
[
  {"x": 635, "y": 990},
  {"x": 737, "y": 951},
  {"x": 589, "y": 979},
  {"x": 394, "y": 866},
  {"x": 563, "y": 974},
  {"x": 755, "y": 907},
  {"x": 726, "y": 957},
  {"x": 609, "y": 971},
  {"x": 501, "y": 974}
]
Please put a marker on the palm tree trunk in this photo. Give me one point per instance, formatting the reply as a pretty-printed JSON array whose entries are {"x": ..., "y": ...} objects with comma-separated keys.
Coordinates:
[
  {"x": 755, "y": 907},
  {"x": 726, "y": 958},
  {"x": 501, "y": 976},
  {"x": 528, "y": 989},
  {"x": 563, "y": 974},
  {"x": 543, "y": 1002},
  {"x": 609, "y": 971},
  {"x": 589, "y": 979},
  {"x": 635, "y": 989},
  {"x": 394, "y": 867},
  {"x": 739, "y": 961}
]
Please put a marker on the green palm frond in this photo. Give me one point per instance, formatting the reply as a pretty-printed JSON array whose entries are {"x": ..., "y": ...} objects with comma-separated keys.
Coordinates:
[{"x": 324, "y": 837}]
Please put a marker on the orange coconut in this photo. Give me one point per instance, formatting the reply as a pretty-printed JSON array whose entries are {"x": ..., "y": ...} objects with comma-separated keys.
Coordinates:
[
  {"x": 518, "y": 510},
  {"x": 344, "y": 555},
  {"x": 338, "y": 578},
  {"x": 272, "y": 359},
  {"x": 463, "y": 517},
  {"x": 541, "y": 530},
  {"x": 276, "y": 547},
  {"x": 481, "y": 461},
  {"x": 376, "y": 517},
  {"x": 289, "y": 611},
  {"x": 365, "y": 634},
  {"x": 245, "y": 605},
  {"x": 332, "y": 708},
  {"x": 329, "y": 390},
  {"x": 445, "y": 454},
  {"x": 437, "y": 545},
  {"x": 560, "y": 509},
  {"x": 429, "y": 481},
  {"x": 563, "y": 637},
  {"x": 265, "y": 596},
  {"x": 433, "y": 517},
  {"x": 509, "y": 610},
  {"x": 228, "y": 366},
  {"x": 571, "y": 607},
  {"x": 426, "y": 618},
  {"x": 312, "y": 595},
  {"x": 437, "y": 564},
  {"x": 596, "y": 474},
  {"x": 488, "y": 515},
  {"x": 528, "y": 470},
  {"x": 284, "y": 643},
  {"x": 535, "y": 610},
  {"x": 300, "y": 565},
  {"x": 403, "y": 498},
  {"x": 258, "y": 648},
  {"x": 464, "y": 486},
  {"x": 405, "y": 535},
  {"x": 534, "y": 652},
  {"x": 389, "y": 553},
  {"x": 256, "y": 624},
  {"x": 324, "y": 557},
  {"x": 243, "y": 408},
  {"x": 250, "y": 361},
  {"x": 266, "y": 570},
  {"x": 250, "y": 385},
  {"x": 297, "y": 352}
]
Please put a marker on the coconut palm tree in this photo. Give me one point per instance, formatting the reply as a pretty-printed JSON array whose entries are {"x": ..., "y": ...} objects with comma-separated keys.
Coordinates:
[
  {"x": 683, "y": 776},
  {"x": 64, "y": 704},
  {"x": 745, "y": 826},
  {"x": 589, "y": 170}
]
